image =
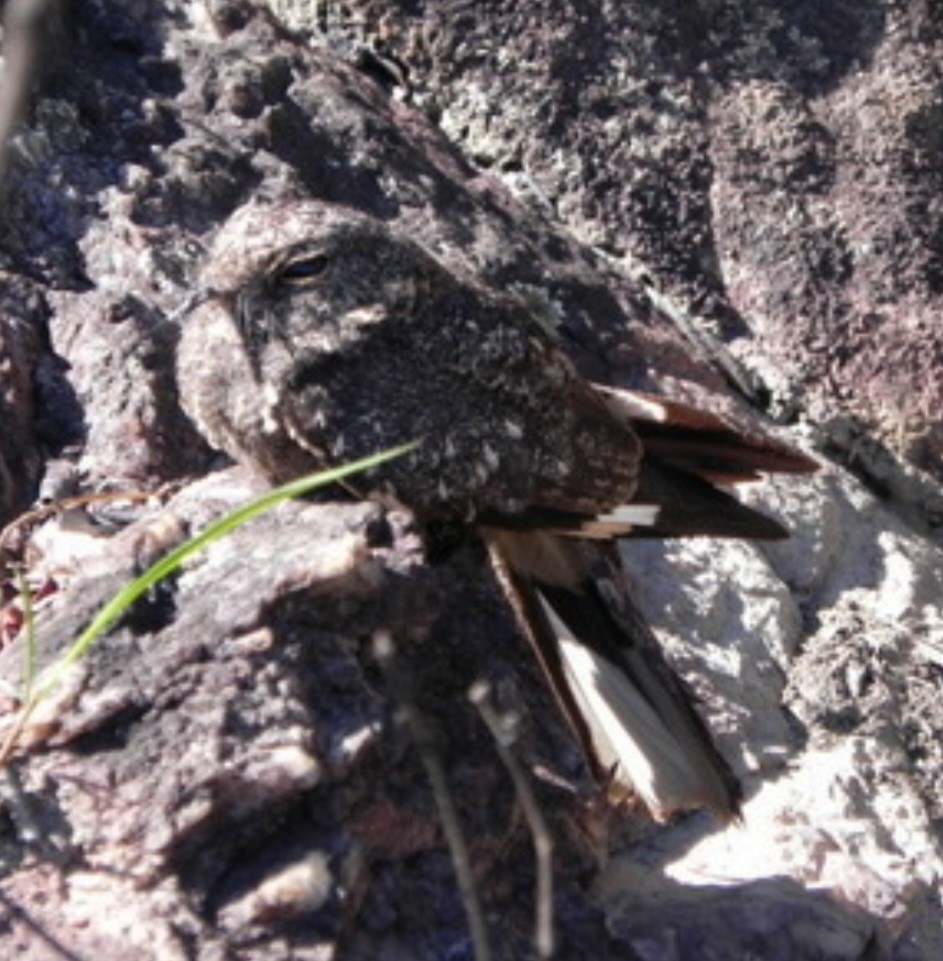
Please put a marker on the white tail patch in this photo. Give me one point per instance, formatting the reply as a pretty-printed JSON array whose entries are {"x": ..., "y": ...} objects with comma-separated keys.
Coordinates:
[
  {"x": 630, "y": 403},
  {"x": 630, "y": 737},
  {"x": 620, "y": 521}
]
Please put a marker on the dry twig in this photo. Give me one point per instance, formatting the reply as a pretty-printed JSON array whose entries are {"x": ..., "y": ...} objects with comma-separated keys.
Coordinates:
[
  {"x": 422, "y": 738},
  {"x": 503, "y": 730}
]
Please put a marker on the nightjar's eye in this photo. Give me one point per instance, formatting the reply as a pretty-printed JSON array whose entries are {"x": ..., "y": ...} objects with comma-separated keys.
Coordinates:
[{"x": 303, "y": 269}]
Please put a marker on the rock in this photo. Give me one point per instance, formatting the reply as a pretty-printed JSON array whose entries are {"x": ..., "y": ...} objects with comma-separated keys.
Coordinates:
[
  {"x": 227, "y": 758},
  {"x": 771, "y": 173},
  {"x": 685, "y": 210},
  {"x": 22, "y": 325},
  {"x": 832, "y": 705},
  {"x": 778, "y": 920}
]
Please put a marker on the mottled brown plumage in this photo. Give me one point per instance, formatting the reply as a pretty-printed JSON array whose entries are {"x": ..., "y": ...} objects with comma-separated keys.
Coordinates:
[
  {"x": 321, "y": 336},
  {"x": 326, "y": 337}
]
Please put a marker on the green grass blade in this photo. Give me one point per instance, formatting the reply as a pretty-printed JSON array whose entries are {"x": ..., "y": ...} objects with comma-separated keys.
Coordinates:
[
  {"x": 29, "y": 634},
  {"x": 219, "y": 528}
]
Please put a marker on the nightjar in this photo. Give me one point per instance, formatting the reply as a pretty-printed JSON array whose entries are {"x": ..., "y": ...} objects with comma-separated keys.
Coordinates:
[{"x": 320, "y": 335}]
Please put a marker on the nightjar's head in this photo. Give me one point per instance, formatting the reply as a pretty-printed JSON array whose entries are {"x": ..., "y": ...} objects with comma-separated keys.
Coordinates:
[
  {"x": 322, "y": 336},
  {"x": 288, "y": 288},
  {"x": 305, "y": 278}
]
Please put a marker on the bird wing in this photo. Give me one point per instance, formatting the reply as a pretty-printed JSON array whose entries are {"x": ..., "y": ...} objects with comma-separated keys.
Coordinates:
[
  {"x": 699, "y": 442},
  {"x": 685, "y": 454}
]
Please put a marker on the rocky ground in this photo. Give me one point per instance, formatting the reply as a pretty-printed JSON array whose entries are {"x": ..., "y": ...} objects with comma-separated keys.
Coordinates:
[{"x": 733, "y": 203}]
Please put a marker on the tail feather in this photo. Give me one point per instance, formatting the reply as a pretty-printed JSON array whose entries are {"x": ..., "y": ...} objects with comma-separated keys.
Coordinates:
[
  {"x": 685, "y": 453},
  {"x": 689, "y": 506},
  {"x": 640, "y": 714},
  {"x": 699, "y": 442},
  {"x": 667, "y": 503},
  {"x": 631, "y": 713}
]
